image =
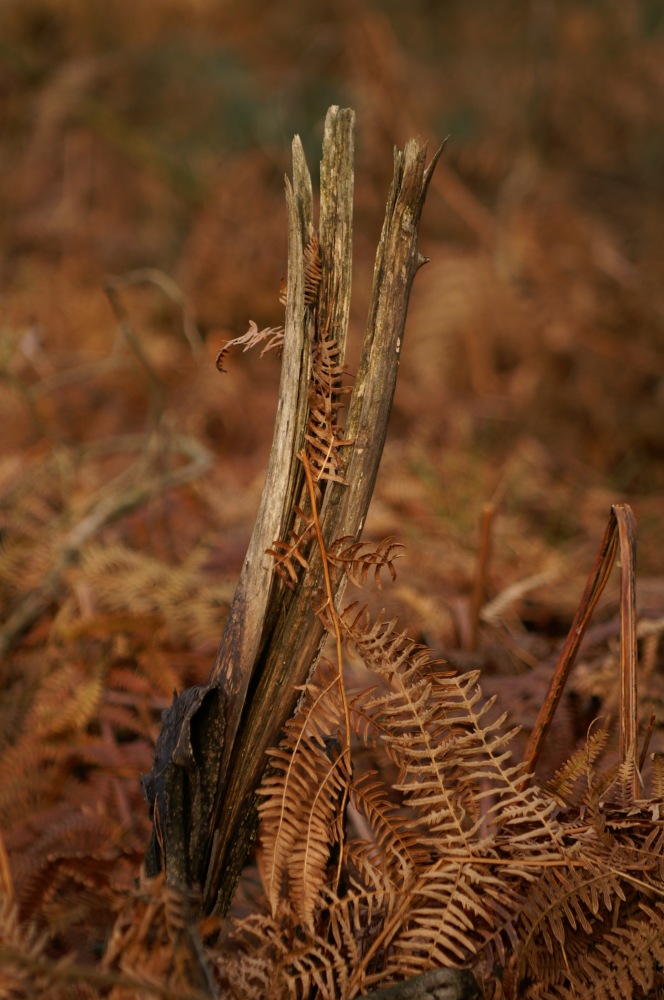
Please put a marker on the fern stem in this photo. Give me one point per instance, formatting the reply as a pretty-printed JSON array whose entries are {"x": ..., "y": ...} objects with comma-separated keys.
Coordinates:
[{"x": 337, "y": 636}]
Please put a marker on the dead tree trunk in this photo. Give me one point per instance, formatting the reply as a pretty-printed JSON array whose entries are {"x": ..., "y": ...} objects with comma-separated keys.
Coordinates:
[{"x": 211, "y": 754}]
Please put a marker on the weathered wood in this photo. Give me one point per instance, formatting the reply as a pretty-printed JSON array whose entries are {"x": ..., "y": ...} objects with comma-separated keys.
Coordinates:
[
  {"x": 295, "y": 643},
  {"x": 181, "y": 790},
  {"x": 181, "y": 787},
  {"x": 278, "y": 668},
  {"x": 253, "y": 605},
  {"x": 397, "y": 261},
  {"x": 336, "y": 226}
]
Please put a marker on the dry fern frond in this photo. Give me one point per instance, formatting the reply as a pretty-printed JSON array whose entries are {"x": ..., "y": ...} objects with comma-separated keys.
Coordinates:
[
  {"x": 596, "y": 905},
  {"x": 564, "y": 899},
  {"x": 70, "y": 807},
  {"x": 303, "y": 798},
  {"x": 17, "y": 940},
  {"x": 578, "y": 767},
  {"x": 274, "y": 335},
  {"x": 313, "y": 272},
  {"x": 277, "y": 958},
  {"x": 447, "y": 871},
  {"x": 626, "y": 962},
  {"x": 126, "y": 580},
  {"x": 370, "y": 903},
  {"x": 28, "y": 968},
  {"x": 318, "y": 967},
  {"x": 155, "y": 941},
  {"x": 248, "y": 973},
  {"x": 434, "y": 726},
  {"x": 395, "y": 846},
  {"x": 287, "y": 554},
  {"x": 357, "y": 559},
  {"x": 323, "y": 435}
]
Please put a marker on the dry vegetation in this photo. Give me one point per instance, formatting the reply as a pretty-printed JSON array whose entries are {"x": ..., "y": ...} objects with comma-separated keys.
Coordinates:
[{"x": 141, "y": 206}]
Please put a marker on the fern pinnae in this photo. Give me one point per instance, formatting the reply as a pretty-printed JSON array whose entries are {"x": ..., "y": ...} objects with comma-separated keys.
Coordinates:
[
  {"x": 358, "y": 558},
  {"x": 323, "y": 435},
  {"x": 657, "y": 774},
  {"x": 311, "y": 857},
  {"x": 561, "y": 894},
  {"x": 370, "y": 898},
  {"x": 487, "y": 758},
  {"x": 297, "y": 810},
  {"x": 428, "y": 763},
  {"x": 281, "y": 824},
  {"x": 291, "y": 844},
  {"x": 273, "y": 335},
  {"x": 281, "y": 808},
  {"x": 286, "y": 554},
  {"x": 316, "y": 966},
  {"x": 405, "y": 712},
  {"x": 623, "y": 962},
  {"x": 313, "y": 272},
  {"x": 638, "y": 946},
  {"x": 386, "y": 820},
  {"x": 578, "y": 766}
]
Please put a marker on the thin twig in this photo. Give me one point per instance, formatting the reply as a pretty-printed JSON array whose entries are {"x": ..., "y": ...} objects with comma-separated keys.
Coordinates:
[
  {"x": 479, "y": 587},
  {"x": 621, "y": 515},
  {"x": 334, "y": 616},
  {"x": 628, "y": 648}
]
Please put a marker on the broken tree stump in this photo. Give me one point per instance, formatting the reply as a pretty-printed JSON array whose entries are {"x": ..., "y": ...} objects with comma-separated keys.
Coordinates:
[{"x": 272, "y": 640}]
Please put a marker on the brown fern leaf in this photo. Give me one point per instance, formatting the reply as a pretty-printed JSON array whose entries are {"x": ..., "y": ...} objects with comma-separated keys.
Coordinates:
[
  {"x": 323, "y": 436},
  {"x": 248, "y": 972},
  {"x": 68, "y": 875},
  {"x": 466, "y": 865},
  {"x": 369, "y": 903},
  {"x": 70, "y": 806},
  {"x": 313, "y": 272},
  {"x": 625, "y": 962},
  {"x": 28, "y": 968},
  {"x": 303, "y": 798},
  {"x": 125, "y": 581},
  {"x": 357, "y": 559},
  {"x": 610, "y": 787},
  {"x": 622, "y": 790},
  {"x": 320, "y": 968},
  {"x": 287, "y": 554},
  {"x": 619, "y": 958},
  {"x": 274, "y": 335},
  {"x": 447, "y": 916},
  {"x": 378, "y": 643},
  {"x": 278, "y": 958},
  {"x": 155, "y": 940},
  {"x": 578, "y": 768},
  {"x": 395, "y": 845},
  {"x": 438, "y": 720},
  {"x": 563, "y": 903},
  {"x": 486, "y": 836},
  {"x": 17, "y": 941},
  {"x": 304, "y": 834}
]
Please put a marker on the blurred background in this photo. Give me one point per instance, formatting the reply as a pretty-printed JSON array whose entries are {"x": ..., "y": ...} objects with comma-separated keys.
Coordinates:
[
  {"x": 143, "y": 148},
  {"x": 155, "y": 135}
]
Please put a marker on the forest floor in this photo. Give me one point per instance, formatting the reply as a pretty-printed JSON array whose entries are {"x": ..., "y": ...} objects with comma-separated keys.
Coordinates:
[{"x": 144, "y": 225}]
